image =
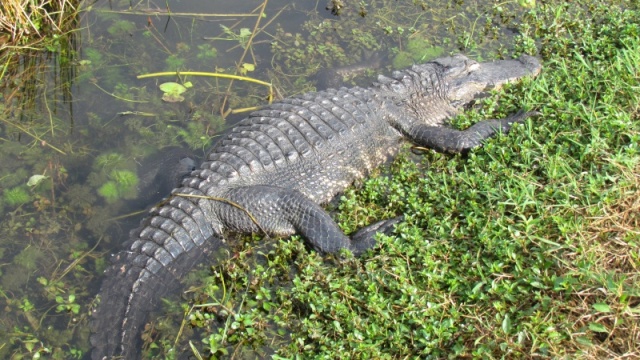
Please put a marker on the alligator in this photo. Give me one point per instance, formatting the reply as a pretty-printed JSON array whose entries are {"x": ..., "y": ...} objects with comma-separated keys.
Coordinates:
[
  {"x": 337, "y": 76},
  {"x": 272, "y": 172},
  {"x": 161, "y": 172}
]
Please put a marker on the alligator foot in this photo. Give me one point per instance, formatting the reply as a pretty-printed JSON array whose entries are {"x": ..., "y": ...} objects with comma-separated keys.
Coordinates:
[
  {"x": 444, "y": 139},
  {"x": 364, "y": 239}
]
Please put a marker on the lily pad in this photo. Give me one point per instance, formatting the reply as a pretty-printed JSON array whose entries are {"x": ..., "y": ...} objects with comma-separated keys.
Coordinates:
[
  {"x": 246, "y": 67},
  {"x": 172, "y": 88},
  {"x": 172, "y": 91}
]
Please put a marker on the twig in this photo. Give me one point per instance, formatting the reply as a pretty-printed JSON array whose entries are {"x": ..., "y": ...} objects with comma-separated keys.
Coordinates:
[
  {"x": 246, "y": 49},
  {"x": 118, "y": 97},
  {"x": 56, "y": 278},
  {"x": 147, "y": 12},
  {"x": 216, "y": 75},
  {"x": 43, "y": 142},
  {"x": 228, "y": 202},
  {"x": 199, "y": 73}
]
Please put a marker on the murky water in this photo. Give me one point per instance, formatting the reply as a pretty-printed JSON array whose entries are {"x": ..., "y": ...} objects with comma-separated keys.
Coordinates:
[{"x": 80, "y": 130}]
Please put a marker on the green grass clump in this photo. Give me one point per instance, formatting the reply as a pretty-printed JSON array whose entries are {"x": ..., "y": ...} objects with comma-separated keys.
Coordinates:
[{"x": 16, "y": 196}]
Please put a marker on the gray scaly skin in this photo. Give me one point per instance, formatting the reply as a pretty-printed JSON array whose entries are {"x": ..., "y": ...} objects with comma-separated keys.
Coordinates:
[
  {"x": 279, "y": 165},
  {"x": 161, "y": 172}
]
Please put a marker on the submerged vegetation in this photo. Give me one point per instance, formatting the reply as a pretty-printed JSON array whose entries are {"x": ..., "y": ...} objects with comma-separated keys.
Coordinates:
[{"x": 526, "y": 247}]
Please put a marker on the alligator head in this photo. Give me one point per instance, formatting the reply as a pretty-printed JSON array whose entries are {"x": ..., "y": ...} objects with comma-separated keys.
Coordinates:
[
  {"x": 437, "y": 90},
  {"x": 467, "y": 79}
]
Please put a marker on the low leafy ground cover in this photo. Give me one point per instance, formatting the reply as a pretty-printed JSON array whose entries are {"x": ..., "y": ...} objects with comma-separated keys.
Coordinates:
[{"x": 527, "y": 247}]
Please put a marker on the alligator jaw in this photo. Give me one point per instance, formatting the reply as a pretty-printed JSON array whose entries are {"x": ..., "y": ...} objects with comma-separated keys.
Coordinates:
[{"x": 469, "y": 80}]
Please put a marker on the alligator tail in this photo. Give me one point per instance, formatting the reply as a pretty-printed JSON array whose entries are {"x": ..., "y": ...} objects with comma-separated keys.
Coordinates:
[{"x": 169, "y": 243}]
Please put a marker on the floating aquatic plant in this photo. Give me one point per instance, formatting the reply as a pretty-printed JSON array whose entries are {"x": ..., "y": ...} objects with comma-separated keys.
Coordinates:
[{"x": 173, "y": 91}]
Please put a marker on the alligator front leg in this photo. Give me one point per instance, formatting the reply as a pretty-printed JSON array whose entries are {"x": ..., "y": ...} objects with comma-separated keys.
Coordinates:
[
  {"x": 445, "y": 139},
  {"x": 283, "y": 212}
]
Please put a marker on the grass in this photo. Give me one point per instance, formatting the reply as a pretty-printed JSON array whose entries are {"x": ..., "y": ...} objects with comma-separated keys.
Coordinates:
[
  {"x": 527, "y": 247},
  {"x": 32, "y": 33},
  {"x": 24, "y": 24}
]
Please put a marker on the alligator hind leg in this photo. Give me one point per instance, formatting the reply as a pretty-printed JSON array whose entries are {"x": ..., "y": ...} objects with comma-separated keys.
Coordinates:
[
  {"x": 280, "y": 211},
  {"x": 444, "y": 139}
]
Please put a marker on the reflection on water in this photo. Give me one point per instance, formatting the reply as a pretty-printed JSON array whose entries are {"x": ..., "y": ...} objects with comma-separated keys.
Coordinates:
[{"x": 80, "y": 132}]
